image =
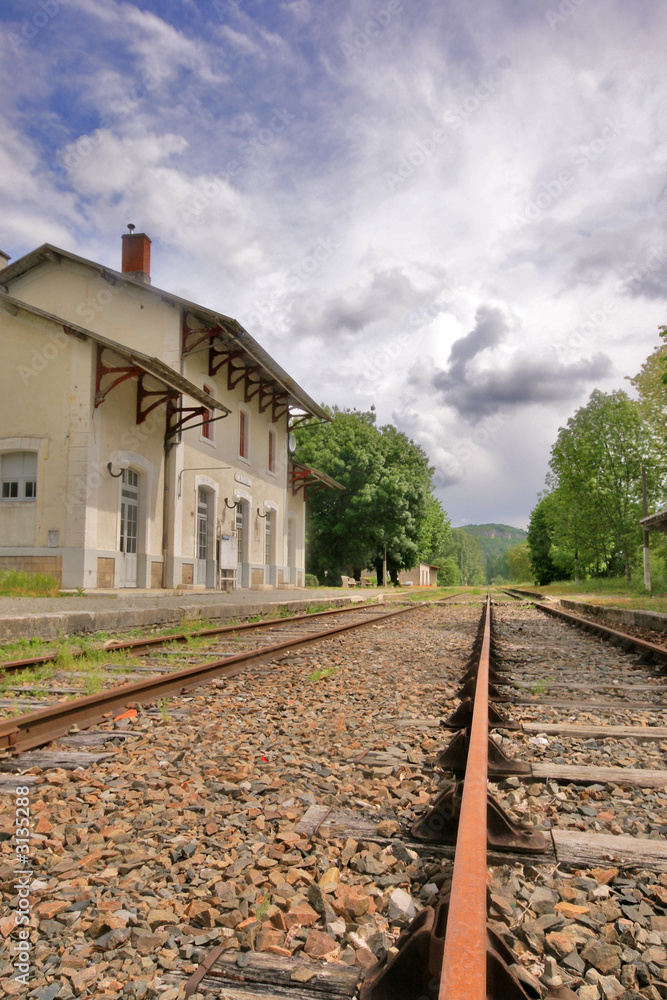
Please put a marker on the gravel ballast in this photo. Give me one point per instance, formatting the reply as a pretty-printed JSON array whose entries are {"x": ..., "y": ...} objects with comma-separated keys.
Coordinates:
[{"x": 185, "y": 837}]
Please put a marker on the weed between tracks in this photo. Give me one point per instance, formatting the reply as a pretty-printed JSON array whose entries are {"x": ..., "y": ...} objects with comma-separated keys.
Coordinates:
[{"x": 318, "y": 675}]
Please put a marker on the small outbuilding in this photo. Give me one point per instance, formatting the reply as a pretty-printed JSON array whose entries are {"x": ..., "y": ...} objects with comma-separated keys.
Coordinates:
[{"x": 422, "y": 575}]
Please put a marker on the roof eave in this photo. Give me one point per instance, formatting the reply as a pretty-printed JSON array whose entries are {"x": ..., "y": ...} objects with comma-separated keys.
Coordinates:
[{"x": 47, "y": 252}]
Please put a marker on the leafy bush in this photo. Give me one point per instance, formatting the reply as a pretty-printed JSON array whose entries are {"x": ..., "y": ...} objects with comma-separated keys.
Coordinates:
[
  {"x": 312, "y": 581},
  {"x": 16, "y": 583}
]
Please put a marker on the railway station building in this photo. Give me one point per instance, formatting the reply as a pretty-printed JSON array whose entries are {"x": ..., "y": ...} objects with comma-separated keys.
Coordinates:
[{"x": 145, "y": 439}]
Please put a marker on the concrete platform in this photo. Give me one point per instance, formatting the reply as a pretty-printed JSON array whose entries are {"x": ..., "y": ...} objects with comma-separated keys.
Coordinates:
[
  {"x": 123, "y": 610},
  {"x": 619, "y": 616}
]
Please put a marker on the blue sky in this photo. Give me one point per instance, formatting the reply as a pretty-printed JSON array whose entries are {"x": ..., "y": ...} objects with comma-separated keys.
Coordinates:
[{"x": 452, "y": 211}]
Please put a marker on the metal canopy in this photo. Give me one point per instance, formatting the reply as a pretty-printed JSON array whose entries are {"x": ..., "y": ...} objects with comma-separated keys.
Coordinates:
[
  {"x": 310, "y": 480},
  {"x": 203, "y": 329},
  {"x": 156, "y": 382},
  {"x": 228, "y": 344},
  {"x": 655, "y": 522}
]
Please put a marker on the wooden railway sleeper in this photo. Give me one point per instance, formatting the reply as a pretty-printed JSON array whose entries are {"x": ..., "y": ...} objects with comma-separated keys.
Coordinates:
[
  {"x": 414, "y": 973},
  {"x": 440, "y": 823}
]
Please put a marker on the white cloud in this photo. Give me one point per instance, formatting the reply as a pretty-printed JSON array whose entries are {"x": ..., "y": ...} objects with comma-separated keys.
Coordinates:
[{"x": 422, "y": 166}]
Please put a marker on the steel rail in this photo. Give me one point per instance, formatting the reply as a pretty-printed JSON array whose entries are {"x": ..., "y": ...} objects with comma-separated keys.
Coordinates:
[
  {"x": 464, "y": 961},
  {"x": 642, "y": 645},
  {"x": 11, "y": 666},
  {"x": 163, "y": 640},
  {"x": 33, "y": 729}
]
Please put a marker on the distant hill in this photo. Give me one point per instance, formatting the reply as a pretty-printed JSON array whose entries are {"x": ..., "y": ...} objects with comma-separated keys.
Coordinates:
[{"x": 494, "y": 539}]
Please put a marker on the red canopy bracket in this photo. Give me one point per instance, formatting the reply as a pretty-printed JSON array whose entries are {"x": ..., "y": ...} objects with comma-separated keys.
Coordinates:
[
  {"x": 122, "y": 373},
  {"x": 179, "y": 415},
  {"x": 163, "y": 396}
]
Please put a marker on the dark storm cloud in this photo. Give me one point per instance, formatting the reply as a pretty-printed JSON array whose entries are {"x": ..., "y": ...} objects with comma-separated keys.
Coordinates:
[
  {"x": 389, "y": 295},
  {"x": 490, "y": 328},
  {"x": 508, "y": 385},
  {"x": 523, "y": 383}
]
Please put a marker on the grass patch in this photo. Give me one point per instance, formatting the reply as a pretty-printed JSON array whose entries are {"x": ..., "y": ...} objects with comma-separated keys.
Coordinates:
[
  {"x": 23, "y": 649},
  {"x": 615, "y": 591},
  {"x": 540, "y": 687},
  {"x": 318, "y": 675},
  {"x": 15, "y": 583},
  {"x": 314, "y": 608}
]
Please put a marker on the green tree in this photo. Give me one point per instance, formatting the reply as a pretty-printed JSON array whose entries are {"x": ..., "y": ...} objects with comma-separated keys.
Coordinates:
[
  {"x": 386, "y": 502},
  {"x": 465, "y": 552},
  {"x": 434, "y": 531},
  {"x": 596, "y": 467},
  {"x": 539, "y": 544},
  {"x": 650, "y": 384},
  {"x": 449, "y": 572},
  {"x": 496, "y": 568},
  {"x": 518, "y": 559}
]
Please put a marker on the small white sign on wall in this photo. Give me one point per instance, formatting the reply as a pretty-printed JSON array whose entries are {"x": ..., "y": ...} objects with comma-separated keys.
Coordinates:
[{"x": 228, "y": 552}]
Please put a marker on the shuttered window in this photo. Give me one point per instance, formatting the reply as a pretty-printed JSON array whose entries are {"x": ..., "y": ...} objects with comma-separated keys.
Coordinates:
[{"x": 18, "y": 472}]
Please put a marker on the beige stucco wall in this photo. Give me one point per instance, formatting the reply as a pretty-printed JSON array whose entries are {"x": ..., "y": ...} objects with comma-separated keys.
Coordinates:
[
  {"x": 48, "y": 382},
  {"x": 236, "y": 479},
  {"x": 129, "y": 315},
  {"x": 42, "y": 379}
]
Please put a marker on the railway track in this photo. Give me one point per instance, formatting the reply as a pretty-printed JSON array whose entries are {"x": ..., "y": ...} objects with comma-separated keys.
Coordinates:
[
  {"x": 164, "y": 670},
  {"x": 315, "y": 781}
]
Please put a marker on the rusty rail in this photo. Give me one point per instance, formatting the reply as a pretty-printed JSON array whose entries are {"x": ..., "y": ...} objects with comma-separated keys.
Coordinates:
[
  {"x": 34, "y": 729},
  {"x": 448, "y": 952},
  {"x": 464, "y": 961},
  {"x": 648, "y": 649},
  {"x": 145, "y": 642}
]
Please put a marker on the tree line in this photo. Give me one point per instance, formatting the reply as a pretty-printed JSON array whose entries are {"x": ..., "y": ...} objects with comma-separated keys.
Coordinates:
[
  {"x": 387, "y": 510},
  {"x": 586, "y": 523}
]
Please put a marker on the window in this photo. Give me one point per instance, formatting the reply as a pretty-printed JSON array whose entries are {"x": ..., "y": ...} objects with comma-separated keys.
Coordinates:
[
  {"x": 244, "y": 450},
  {"x": 207, "y": 426},
  {"x": 19, "y": 475},
  {"x": 272, "y": 451}
]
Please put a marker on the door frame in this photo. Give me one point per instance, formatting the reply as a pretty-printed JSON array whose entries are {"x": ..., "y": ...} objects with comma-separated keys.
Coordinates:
[
  {"x": 129, "y": 560},
  {"x": 144, "y": 469},
  {"x": 210, "y": 573}
]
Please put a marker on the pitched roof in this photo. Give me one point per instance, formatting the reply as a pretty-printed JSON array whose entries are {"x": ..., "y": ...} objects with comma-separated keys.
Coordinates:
[
  {"x": 229, "y": 335},
  {"x": 152, "y": 366}
]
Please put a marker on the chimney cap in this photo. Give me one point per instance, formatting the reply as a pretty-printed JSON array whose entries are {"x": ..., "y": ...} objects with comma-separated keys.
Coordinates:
[{"x": 131, "y": 226}]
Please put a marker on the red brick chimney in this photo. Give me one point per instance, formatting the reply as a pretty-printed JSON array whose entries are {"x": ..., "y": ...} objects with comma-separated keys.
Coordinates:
[{"x": 137, "y": 255}]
